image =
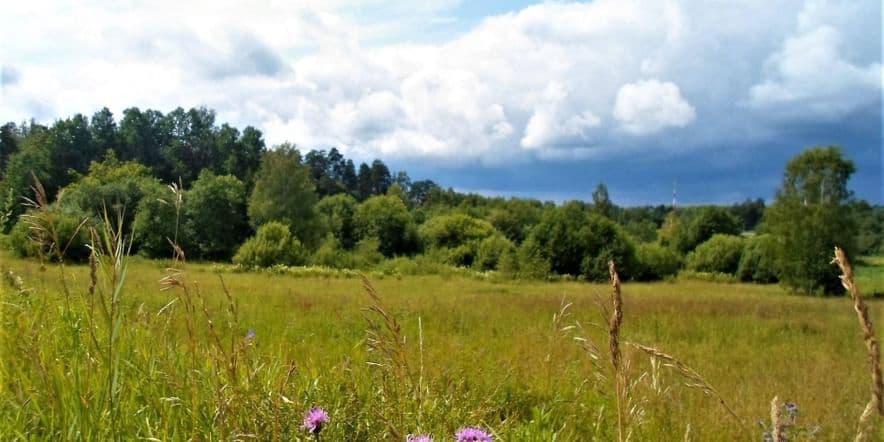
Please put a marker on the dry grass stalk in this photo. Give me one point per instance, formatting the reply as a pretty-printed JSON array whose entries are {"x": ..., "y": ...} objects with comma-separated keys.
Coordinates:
[
  {"x": 777, "y": 424},
  {"x": 876, "y": 402},
  {"x": 386, "y": 341},
  {"x": 614, "y": 324},
  {"x": 692, "y": 378},
  {"x": 579, "y": 335}
]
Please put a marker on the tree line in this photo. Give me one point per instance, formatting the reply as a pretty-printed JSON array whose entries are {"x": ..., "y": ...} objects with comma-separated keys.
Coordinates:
[{"x": 222, "y": 195}]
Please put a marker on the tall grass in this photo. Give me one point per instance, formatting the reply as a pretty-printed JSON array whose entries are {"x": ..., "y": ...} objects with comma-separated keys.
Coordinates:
[{"x": 123, "y": 350}]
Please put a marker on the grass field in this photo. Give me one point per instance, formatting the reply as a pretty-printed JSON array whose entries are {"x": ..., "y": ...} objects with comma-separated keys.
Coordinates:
[{"x": 169, "y": 365}]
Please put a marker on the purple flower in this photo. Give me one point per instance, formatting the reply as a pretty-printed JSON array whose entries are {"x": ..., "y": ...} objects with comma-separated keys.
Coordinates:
[
  {"x": 314, "y": 419},
  {"x": 472, "y": 434},
  {"x": 419, "y": 438},
  {"x": 251, "y": 335}
]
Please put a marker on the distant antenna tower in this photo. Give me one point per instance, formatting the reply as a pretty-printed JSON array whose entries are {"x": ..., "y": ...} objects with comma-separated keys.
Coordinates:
[{"x": 674, "y": 193}]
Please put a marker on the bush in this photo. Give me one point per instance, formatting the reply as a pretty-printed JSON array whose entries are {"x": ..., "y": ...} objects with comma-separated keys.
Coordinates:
[
  {"x": 707, "y": 222},
  {"x": 451, "y": 231},
  {"x": 66, "y": 227},
  {"x": 575, "y": 243},
  {"x": 330, "y": 254},
  {"x": 758, "y": 263},
  {"x": 157, "y": 222},
  {"x": 531, "y": 262},
  {"x": 720, "y": 254},
  {"x": 491, "y": 250},
  {"x": 387, "y": 219},
  {"x": 215, "y": 215},
  {"x": 656, "y": 262},
  {"x": 273, "y": 244},
  {"x": 336, "y": 214}
]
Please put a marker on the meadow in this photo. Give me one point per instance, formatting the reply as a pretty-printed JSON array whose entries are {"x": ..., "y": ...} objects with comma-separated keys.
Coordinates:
[{"x": 240, "y": 356}]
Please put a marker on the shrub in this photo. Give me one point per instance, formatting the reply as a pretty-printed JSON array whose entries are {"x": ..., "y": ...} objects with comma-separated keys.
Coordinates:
[
  {"x": 576, "y": 243},
  {"x": 720, "y": 254},
  {"x": 66, "y": 227},
  {"x": 491, "y": 250},
  {"x": 336, "y": 214},
  {"x": 215, "y": 215},
  {"x": 272, "y": 244},
  {"x": 531, "y": 262},
  {"x": 461, "y": 256},
  {"x": 707, "y": 222},
  {"x": 758, "y": 263},
  {"x": 330, "y": 254},
  {"x": 387, "y": 219},
  {"x": 656, "y": 262},
  {"x": 450, "y": 231},
  {"x": 157, "y": 222},
  {"x": 366, "y": 253}
]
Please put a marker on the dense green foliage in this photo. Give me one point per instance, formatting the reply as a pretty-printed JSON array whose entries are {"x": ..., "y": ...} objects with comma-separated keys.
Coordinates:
[
  {"x": 386, "y": 219},
  {"x": 285, "y": 193},
  {"x": 758, "y": 263},
  {"x": 181, "y": 178},
  {"x": 214, "y": 215},
  {"x": 273, "y": 244},
  {"x": 720, "y": 254},
  {"x": 810, "y": 217},
  {"x": 656, "y": 262}
]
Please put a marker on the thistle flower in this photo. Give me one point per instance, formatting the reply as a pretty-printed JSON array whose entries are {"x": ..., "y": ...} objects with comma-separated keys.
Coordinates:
[
  {"x": 473, "y": 434},
  {"x": 792, "y": 409},
  {"x": 419, "y": 438},
  {"x": 314, "y": 420}
]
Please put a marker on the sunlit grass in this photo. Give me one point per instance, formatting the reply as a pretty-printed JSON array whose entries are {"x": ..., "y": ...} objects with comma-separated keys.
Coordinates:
[{"x": 491, "y": 357}]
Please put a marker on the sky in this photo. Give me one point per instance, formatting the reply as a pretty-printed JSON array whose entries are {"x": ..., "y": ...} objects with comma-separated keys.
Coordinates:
[{"x": 533, "y": 99}]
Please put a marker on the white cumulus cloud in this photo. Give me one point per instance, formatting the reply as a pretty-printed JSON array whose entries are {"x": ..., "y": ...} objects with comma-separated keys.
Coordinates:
[
  {"x": 648, "y": 106},
  {"x": 555, "y": 81}
]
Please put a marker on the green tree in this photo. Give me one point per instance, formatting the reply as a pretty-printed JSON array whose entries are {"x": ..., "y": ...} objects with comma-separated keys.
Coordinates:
[
  {"x": 9, "y": 140},
  {"x": 337, "y": 214},
  {"x": 386, "y": 218},
  {"x": 758, "y": 261},
  {"x": 579, "y": 243},
  {"x": 141, "y": 137},
  {"x": 111, "y": 187},
  {"x": 707, "y": 222},
  {"x": 159, "y": 221},
  {"x": 215, "y": 215},
  {"x": 104, "y": 130},
  {"x": 601, "y": 202},
  {"x": 32, "y": 159},
  {"x": 285, "y": 192},
  {"x": 810, "y": 216}
]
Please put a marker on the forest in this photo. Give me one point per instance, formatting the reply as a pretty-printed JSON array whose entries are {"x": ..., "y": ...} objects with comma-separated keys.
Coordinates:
[{"x": 223, "y": 195}]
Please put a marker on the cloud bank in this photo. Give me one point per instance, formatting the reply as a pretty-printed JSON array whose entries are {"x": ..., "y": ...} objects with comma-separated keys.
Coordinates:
[{"x": 552, "y": 81}]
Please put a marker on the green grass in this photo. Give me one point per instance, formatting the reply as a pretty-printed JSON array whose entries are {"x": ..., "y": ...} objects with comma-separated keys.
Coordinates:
[
  {"x": 478, "y": 352},
  {"x": 870, "y": 275}
]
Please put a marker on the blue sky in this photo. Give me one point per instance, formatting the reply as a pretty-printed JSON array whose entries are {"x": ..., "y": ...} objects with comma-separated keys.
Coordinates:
[{"x": 506, "y": 98}]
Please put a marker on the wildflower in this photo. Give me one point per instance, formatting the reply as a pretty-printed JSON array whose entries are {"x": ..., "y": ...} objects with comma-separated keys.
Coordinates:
[
  {"x": 792, "y": 409},
  {"x": 472, "y": 434},
  {"x": 419, "y": 438},
  {"x": 250, "y": 336},
  {"x": 314, "y": 419}
]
